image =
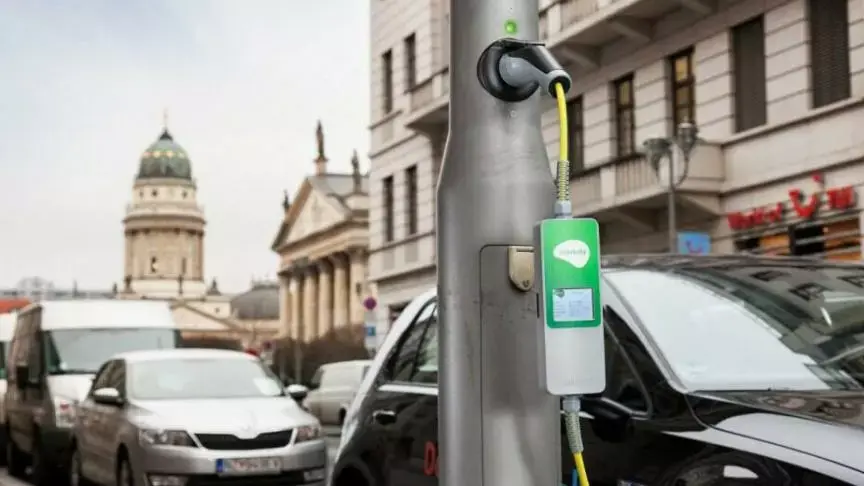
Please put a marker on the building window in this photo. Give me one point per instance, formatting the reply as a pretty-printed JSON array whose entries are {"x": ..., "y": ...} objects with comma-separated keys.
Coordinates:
[
  {"x": 575, "y": 142},
  {"x": 410, "y": 62},
  {"x": 388, "y": 209},
  {"x": 411, "y": 202},
  {"x": 683, "y": 96},
  {"x": 387, "y": 73},
  {"x": 748, "y": 47},
  {"x": 829, "y": 51},
  {"x": 625, "y": 133}
]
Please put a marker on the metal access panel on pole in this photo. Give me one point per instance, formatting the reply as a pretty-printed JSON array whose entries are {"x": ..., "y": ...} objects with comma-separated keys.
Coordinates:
[{"x": 497, "y": 425}]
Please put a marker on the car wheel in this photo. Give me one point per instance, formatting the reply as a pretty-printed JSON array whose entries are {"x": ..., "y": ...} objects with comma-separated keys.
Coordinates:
[
  {"x": 4, "y": 438},
  {"x": 40, "y": 474},
  {"x": 125, "y": 477},
  {"x": 729, "y": 469},
  {"x": 16, "y": 461},
  {"x": 355, "y": 475},
  {"x": 76, "y": 477}
]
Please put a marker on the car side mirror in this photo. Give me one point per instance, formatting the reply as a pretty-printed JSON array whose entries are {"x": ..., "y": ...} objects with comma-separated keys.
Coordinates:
[
  {"x": 107, "y": 396},
  {"x": 613, "y": 421},
  {"x": 297, "y": 392}
]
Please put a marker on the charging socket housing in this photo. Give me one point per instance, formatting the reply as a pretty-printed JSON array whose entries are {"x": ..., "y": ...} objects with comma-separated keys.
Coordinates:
[{"x": 568, "y": 260}]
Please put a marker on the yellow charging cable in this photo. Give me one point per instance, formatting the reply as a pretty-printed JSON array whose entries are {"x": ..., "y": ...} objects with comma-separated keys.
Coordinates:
[
  {"x": 561, "y": 98},
  {"x": 562, "y": 181},
  {"x": 572, "y": 404}
]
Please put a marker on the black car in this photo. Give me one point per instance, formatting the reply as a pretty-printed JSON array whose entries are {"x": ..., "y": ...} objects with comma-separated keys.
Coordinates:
[{"x": 720, "y": 371}]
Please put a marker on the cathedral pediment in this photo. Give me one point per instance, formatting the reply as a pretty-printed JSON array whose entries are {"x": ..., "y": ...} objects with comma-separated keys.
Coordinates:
[
  {"x": 317, "y": 213},
  {"x": 322, "y": 202}
]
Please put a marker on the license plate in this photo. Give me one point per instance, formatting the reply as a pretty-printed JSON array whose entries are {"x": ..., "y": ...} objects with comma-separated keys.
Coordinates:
[{"x": 249, "y": 465}]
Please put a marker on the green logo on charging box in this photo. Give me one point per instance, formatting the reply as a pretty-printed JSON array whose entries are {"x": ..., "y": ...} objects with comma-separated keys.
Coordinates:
[{"x": 571, "y": 272}]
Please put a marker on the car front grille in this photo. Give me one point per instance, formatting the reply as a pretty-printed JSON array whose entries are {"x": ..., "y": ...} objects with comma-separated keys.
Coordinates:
[
  {"x": 230, "y": 442},
  {"x": 288, "y": 478}
]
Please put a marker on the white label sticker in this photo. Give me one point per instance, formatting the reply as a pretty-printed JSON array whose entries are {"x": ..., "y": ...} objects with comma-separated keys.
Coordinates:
[
  {"x": 574, "y": 252},
  {"x": 573, "y": 305}
]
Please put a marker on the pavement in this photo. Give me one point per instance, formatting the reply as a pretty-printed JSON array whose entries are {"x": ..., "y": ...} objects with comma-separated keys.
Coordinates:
[{"x": 331, "y": 437}]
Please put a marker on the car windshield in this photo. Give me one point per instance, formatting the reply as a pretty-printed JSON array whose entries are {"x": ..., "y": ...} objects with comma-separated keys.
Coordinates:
[
  {"x": 753, "y": 327},
  {"x": 201, "y": 378},
  {"x": 80, "y": 351}
]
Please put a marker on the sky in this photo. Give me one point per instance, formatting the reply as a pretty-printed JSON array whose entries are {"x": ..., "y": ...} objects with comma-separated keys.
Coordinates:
[{"x": 83, "y": 88}]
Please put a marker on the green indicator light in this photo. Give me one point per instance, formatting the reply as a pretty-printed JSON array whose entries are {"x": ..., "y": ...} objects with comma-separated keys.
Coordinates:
[{"x": 510, "y": 27}]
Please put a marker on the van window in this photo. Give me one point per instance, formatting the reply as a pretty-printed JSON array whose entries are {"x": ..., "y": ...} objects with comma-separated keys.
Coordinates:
[
  {"x": 82, "y": 351},
  {"x": 4, "y": 352},
  {"x": 339, "y": 375},
  {"x": 20, "y": 342},
  {"x": 315, "y": 382}
]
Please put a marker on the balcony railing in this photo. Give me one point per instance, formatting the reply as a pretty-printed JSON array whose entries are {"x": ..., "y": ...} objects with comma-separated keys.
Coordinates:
[
  {"x": 162, "y": 208},
  {"x": 573, "y": 11},
  {"x": 630, "y": 180}
]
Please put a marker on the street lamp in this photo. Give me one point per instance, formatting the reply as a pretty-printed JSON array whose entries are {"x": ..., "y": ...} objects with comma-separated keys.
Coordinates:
[{"x": 686, "y": 137}]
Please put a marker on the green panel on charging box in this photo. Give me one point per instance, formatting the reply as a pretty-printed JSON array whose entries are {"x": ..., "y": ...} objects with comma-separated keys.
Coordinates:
[{"x": 571, "y": 272}]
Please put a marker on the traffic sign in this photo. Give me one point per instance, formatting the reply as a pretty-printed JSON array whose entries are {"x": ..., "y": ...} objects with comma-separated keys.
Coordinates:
[
  {"x": 370, "y": 340},
  {"x": 691, "y": 243},
  {"x": 369, "y": 303}
]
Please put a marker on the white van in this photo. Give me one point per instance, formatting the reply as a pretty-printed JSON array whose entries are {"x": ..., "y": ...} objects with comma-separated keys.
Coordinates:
[
  {"x": 56, "y": 349},
  {"x": 7, "y": 326},
  {"x": 333, "y": 387}
]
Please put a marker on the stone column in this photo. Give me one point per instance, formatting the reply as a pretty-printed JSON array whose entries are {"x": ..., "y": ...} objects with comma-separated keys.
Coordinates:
[
  {"x": 325, "y": 298},
  {"x": 201, "y": 256},
  {"x": 298, "y": 316},
  {"x": 285, "y": 316},
  {"x": 341, "y": 291},
  {"x": 310, "y": 298},
  {"x": 128, "y": 258},
  {"x": 357, "y": 281}
]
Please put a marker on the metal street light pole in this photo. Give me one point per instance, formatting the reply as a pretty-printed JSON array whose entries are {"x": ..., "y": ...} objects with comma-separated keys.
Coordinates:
[
  {"x": 673, "y": 214},
  {"x": 686, "y": 137},
  {"x": 497, "y": 425}
]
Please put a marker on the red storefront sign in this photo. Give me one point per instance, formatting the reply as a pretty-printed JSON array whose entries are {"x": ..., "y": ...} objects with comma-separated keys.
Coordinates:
[{"x": 836, "y": 198}]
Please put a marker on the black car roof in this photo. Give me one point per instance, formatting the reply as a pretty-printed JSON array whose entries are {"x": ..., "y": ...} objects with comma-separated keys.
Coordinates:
[{"x": 672, "y": 261}]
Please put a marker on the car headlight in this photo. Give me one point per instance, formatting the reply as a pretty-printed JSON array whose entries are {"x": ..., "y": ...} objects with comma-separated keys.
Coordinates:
[
  {"x": 306, "y": 433},
  {"x": 64, "y": 412},
  {"x": 165, "y": 437}
]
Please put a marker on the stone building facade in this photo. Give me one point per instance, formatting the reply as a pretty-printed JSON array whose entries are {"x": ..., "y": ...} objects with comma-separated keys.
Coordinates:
[
  {"x": 322, "y": 243},
  {"x": 776, "y": 88}
]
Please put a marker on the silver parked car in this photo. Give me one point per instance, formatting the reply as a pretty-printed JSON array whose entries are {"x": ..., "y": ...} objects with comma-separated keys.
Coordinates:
[{"x": 191, "y": 417}]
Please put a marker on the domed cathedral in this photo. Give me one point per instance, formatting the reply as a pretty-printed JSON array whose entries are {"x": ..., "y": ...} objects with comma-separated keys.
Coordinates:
[
  {"x": 164, "y": 226},
  {"x": 164, "y": 254}
]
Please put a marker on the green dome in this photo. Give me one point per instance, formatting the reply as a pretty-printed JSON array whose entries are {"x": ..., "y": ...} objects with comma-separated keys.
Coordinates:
[{"x": 165, "y": 159}]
